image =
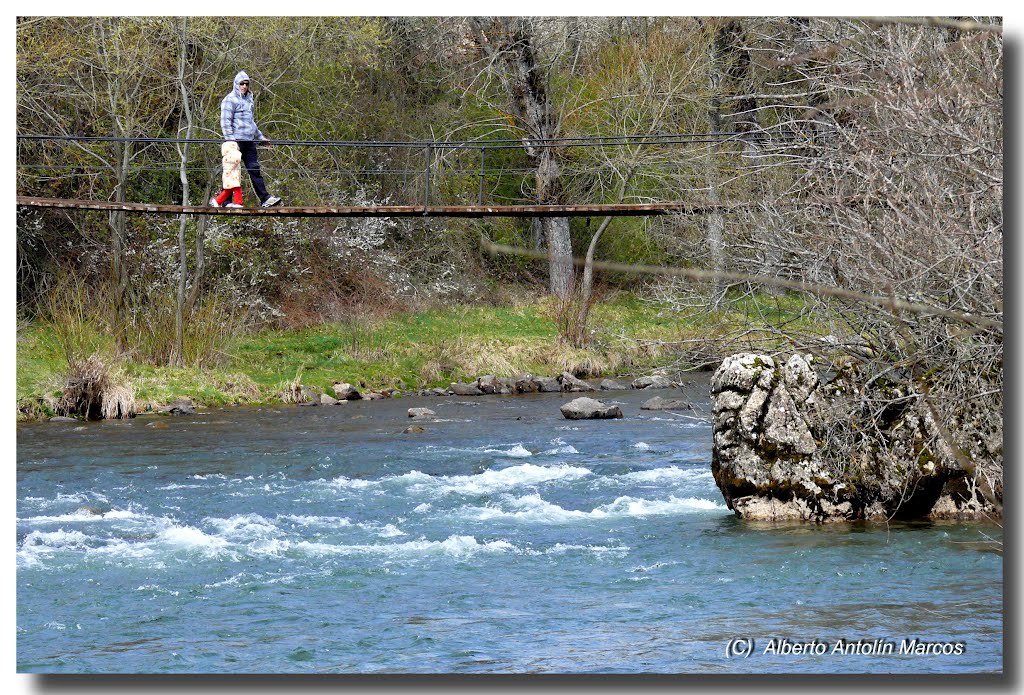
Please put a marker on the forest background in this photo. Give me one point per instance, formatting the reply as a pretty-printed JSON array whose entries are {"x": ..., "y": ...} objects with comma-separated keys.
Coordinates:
[{"x": 850, "y": 171}]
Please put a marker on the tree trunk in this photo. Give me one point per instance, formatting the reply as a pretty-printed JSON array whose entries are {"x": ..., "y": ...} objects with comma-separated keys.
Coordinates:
[
  {"x": 177, "y": 357},
  {"x": 586, "y": 289},
  {"x": 715, "y": 222},
  {"x": 561, "y": 275},
  {"x": 715, "y": 236},
  {"x": 587, "y": 282},
  {"x": 560, "y": 268},
  {"x": 119, "y": 274},
  {"x": 818, "y": 120},
  {"x": 197, "y": 275},
  {"x": 525, "y": 78}
]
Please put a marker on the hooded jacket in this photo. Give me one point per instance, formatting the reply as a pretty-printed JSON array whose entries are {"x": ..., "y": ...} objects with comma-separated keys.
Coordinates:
[
  {"x": 236, "y": 114},
  {"x": 231, "y": 158}
]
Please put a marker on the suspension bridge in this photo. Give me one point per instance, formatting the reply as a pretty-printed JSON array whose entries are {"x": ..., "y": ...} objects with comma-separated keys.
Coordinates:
[
  {"x": 601, "y": 210},
  {"x": 418, "y": 169}
]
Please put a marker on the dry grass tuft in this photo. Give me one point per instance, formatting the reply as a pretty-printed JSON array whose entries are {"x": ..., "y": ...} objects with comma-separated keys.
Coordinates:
[
  {"x": 92, "y": 391},
  {"x": 241, "y": 387},
  {"x": 118, "y": 402}
]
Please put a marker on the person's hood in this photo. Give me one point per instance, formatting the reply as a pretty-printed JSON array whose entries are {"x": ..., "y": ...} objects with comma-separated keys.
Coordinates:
[{"x": 242, "y": 75}]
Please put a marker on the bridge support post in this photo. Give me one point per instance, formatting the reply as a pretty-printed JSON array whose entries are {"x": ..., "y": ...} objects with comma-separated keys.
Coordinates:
[
  {"x": 483, "y": 152},
  {"x": 426, "y": 172}
]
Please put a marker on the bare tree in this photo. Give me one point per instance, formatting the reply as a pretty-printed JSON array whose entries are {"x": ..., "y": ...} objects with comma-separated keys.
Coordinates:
[
  {"x": 112, "y": 83},
  {"x": 522, "y": 55},
  {"x": 891, "y": 134}
]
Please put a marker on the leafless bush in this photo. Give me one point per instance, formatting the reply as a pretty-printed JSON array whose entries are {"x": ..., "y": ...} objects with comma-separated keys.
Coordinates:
[
  {"x": 915, "y": 163},
  {"x": 878, "y": 169}
]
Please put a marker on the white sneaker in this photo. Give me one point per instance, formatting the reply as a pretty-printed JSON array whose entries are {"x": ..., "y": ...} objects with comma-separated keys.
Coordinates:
[
  {"x": 214, "y": 203},
  {"x": 234, "y": 205},
  {"x": 271, "y": 201}
]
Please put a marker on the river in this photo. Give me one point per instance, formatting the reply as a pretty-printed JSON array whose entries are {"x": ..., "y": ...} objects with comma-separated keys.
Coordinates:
[{"x": 502, "y": 539}]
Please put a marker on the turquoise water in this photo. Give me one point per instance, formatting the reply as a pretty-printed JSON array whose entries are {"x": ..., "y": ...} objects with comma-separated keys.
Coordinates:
[{"x": 502, "y": 539}]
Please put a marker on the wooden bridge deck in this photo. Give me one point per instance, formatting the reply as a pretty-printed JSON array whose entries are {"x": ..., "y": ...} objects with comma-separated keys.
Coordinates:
[{"x": 388, "y": 210}]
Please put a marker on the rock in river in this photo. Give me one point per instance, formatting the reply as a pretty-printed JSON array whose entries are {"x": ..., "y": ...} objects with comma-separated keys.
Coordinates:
[
  {"x": 465, "y": 390},
  {"x": 652, "y": 382},
  {"x": 659, "y": 403},
  {"x": 771, "y": 424},
  {"x": 574, "y": 385},
  {"x": 589, "y": 409}
]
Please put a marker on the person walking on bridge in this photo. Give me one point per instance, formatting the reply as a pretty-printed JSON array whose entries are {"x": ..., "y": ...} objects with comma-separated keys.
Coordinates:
[{"x": 239, "y": 124}]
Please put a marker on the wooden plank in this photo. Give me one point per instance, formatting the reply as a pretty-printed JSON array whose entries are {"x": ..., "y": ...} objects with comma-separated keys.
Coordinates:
[{"x": 389, "y": 210}]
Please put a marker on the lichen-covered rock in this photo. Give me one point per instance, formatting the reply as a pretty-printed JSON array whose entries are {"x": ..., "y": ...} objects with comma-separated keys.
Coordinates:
[
  {"x": 740, "y": 373},
  {"x": 784, "y": 427},
  {"x": 771, "y": 422}
]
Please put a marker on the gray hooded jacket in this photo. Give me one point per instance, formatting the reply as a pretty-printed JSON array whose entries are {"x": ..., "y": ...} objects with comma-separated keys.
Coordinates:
[{"x": 236, "y": 114}]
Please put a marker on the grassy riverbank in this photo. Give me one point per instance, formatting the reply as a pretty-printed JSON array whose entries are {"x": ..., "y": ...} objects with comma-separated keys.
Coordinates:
[{"x": 412, "y": 350}]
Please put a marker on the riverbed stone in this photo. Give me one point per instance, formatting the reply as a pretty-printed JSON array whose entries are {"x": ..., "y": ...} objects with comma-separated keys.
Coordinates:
[
  {"x": 327, "y": 400},
  {"x": 549, "y": 384},
  {"x": 489, "y": 384},
  {"x": 421, "y": 413},
  {"x": 571, "y": 384},
  {"x": 612, "y": 385},
  {"x": 460, "y": 389},
  {"x": 652, "y": 382},
  {"x": 525, "y": 383},
  {"x": 179, "y": 406},
  {"x": 346, "y": 391},
  {"x": 659, "y": 403},
  {"x": 584, "y": 408}
]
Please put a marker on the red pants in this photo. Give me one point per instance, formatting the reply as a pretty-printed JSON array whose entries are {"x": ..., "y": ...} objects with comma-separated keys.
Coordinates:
[{"x": 222, "y": 197}]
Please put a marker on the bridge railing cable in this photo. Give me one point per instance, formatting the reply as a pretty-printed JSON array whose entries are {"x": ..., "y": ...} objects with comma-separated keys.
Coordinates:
[{"x": 448, "y": 172}]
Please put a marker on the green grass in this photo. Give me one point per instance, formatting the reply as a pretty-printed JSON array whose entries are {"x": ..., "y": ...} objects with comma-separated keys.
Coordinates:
[
  {"x": 423, "y": 349},
  {"x": 39, "y": 362}
]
